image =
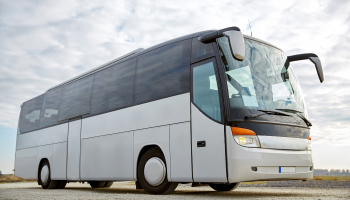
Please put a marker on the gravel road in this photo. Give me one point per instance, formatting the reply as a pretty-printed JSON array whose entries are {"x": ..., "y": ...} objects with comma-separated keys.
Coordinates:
[{"x": 126, "y": 190}]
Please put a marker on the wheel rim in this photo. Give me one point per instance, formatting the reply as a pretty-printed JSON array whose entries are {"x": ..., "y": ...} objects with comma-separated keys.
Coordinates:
[
  {"x": 44, "y": 175},
  {"x": 155, "y": 171}
]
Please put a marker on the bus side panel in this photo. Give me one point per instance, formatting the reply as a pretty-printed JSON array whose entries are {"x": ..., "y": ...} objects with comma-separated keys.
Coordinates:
[
  {"x": 108, "y": 157},
  {"x": 27, "y": 145},
  {"x": 162, "y": 112},
  {"x": 152, "y": 136},
  {"x": 180, "y": 151},
  {"x": 26, "y": 165},
  {"x": 54, "y": 134},
  {"x": 59, "y": 161}
]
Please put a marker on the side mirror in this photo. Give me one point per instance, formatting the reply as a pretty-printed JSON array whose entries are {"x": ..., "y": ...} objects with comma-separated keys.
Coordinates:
[
  {"x": 313, "y": 58},
  {"x": 236, "y": 41},
  {"x": 235, "y": 38}
]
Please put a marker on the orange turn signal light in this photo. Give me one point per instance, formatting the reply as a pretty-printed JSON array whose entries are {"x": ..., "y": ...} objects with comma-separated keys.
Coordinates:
[
  {"x": 241, "y": 131},
  {"x": 309, "y": 137}
]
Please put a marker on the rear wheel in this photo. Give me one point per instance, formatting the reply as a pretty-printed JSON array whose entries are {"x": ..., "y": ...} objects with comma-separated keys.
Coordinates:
[
  {"x": 108, "y": 184},
  {"x": 152, "y": 174},
  {"x": 61, "y": 184},
  {"x": 97, "y": 184},
  {"x": 224, "y": 187},
  {"x": 45, "y": 176}
]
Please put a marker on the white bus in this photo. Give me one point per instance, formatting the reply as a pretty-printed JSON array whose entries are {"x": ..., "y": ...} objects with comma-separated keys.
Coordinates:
[{"x": 213, "y": 107}]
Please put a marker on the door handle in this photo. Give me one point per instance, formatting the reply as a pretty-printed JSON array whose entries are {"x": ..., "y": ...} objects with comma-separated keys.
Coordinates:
[{"x": 201, "y": 143}]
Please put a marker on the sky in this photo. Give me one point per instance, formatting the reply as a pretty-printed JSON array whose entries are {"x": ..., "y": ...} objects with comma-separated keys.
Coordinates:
[{"x": 43, "y": 43}]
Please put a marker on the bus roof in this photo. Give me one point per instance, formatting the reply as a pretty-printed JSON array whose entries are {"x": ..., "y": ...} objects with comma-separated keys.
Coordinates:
[
  {"x": 141, "y": 51},
  {"x": 129, "y": 56}
]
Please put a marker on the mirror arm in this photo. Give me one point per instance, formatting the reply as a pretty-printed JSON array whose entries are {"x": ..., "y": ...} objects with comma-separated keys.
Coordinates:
[
  {"x": 304, "y": 56},
  {"x": 210, "y": 37},
  {"x": 313, "y": 58}
]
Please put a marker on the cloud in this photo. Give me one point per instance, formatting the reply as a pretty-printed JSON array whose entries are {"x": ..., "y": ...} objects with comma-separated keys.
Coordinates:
[{"x": 44, "y": 43}]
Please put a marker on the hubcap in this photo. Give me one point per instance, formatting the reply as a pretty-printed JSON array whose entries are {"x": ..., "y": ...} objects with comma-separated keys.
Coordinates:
[
  {"x": 155, "y": 171},
  {"x": 44, "y": 175}
]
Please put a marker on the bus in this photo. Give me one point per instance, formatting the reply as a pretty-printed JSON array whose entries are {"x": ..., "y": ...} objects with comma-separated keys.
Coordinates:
[{"x": 214, "y": 107}]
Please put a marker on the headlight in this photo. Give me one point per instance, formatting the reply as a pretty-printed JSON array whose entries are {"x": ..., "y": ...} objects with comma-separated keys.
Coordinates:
[{"x": 247, "y": 141}]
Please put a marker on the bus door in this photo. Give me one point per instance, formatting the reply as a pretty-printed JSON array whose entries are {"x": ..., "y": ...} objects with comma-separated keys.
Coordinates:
[
  {"x": 208, "y": 142},
  {"x": 73, "y": 151}
]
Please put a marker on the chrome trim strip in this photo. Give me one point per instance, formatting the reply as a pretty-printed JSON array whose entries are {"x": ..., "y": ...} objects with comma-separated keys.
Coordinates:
[{"x": 272, "y": 142}]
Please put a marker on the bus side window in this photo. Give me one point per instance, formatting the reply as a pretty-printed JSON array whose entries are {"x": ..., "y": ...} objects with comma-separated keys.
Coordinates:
[
  {"x": 200, "y": 50},
  {"x": 163, "y": 72},
  {"x": 75, "y": 100},
  {"x": 205, "y": 89},
  {"x": 49, "y": 110},
  {"x": 113, "y": 87},
  {"x": 30, "y": 114}
]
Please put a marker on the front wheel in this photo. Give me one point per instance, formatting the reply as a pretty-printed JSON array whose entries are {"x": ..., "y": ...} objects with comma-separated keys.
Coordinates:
[
  {"x": 152, "y": 174},
  {"x": 224, "y": 187}
]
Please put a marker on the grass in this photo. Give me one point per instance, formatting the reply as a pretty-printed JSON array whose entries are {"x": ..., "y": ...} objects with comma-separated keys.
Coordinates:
[
  {"x": 254, "y": 183},
  {"x": 10, "y": 178},
  {"x": 332, "y": 178},
  {"x": 320, "y": 178}
]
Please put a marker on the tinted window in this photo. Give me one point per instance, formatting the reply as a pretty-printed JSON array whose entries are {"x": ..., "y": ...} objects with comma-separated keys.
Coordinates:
[
  {"x": 75, "y": 100},
  {"x": 49, "y": 110},
  {"x": 200, "y": 50},
  {"x": 30, "y": 114},
  {"x": 205, "y": 89},
  {"x": 113, "y": 87},
  {"x": 163, "y": 72}
]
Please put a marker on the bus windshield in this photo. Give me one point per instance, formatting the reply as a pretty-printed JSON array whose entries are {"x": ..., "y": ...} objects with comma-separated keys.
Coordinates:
[{"x": 264, "y": 80}]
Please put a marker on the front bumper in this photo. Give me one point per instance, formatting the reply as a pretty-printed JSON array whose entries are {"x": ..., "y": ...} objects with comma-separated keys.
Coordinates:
[{"x": 240, "y": 161}]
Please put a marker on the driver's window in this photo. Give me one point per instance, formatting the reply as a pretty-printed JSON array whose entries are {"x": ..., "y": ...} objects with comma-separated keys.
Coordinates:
[{"x": 205, "y": 89}]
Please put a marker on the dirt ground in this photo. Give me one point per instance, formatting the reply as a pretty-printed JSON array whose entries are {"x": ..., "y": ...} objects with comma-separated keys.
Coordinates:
[{"x": 126, "y": 190}]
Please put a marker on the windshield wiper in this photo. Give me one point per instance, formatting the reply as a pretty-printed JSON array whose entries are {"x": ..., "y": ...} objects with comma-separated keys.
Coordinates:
[
  {"x": 289, "y": 110},
  {"x": 307, "y": 122},
  {"x": 266, "y": 112},
  {"x": 297, "y": 112},
  {"x": 273, "y": 112},
  {"x": 254, "y": 115}
]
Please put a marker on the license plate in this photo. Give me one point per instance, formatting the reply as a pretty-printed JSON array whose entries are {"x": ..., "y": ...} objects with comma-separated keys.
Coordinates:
[{"x": 286, "y": 169}]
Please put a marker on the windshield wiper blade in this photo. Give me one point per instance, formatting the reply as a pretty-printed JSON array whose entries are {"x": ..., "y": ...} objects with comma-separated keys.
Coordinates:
[
  {"x": 289, "y": 110},
  {"x": 273, "y": 112},
  {"x": 254, "y": 115},
  {"x": 266, "y": 112}
]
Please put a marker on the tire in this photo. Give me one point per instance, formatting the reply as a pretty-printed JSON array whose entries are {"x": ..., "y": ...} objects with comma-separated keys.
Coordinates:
[
  {"x": 61, "y": 184},
  {"x": 108, "y": 184},
  {"x": 224, "y": 187},
  {"x": 161, "y": 186},
  {"x": 44, "y": 177},
  {"x": 97, "y": 184}
]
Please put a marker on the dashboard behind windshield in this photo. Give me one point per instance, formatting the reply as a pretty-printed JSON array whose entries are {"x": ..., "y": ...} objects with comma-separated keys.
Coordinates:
[{"x": 264, "y": 80}]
